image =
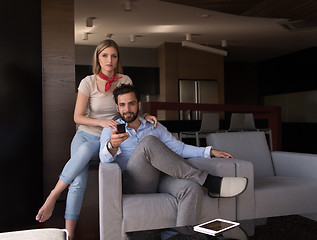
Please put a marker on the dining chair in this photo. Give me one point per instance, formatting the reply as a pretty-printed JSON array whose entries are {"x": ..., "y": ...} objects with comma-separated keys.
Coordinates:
[{"x": 209, "y": 124}]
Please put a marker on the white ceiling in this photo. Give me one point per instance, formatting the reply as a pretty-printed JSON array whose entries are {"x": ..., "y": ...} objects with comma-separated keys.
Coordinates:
[{"x": 155, "y": 22}]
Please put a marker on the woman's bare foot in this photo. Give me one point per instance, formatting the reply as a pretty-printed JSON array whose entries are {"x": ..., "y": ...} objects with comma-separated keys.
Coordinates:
[{"x": 46, "y": 210}]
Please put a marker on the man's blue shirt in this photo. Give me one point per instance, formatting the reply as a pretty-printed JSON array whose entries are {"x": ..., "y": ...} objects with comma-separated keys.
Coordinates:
[{"x": 146, "y": 128}]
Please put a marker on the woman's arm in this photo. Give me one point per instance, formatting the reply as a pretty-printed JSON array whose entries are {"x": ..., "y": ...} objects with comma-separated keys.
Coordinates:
[{"x": 80, "y": 118}]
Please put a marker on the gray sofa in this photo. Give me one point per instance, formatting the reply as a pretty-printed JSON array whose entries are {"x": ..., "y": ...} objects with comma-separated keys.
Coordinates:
[
  {"x": 279, "y": 183},
  {"x": 120, "y": 213},
  {"x": 284, "y": 182}
]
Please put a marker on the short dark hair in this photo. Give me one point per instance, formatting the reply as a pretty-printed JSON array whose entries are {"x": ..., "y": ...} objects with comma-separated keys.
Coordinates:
[{"x": 124, "y": 89}]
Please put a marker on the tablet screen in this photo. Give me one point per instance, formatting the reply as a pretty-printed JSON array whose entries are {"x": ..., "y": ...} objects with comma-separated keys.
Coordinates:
[{"x": 217, "y": 225}]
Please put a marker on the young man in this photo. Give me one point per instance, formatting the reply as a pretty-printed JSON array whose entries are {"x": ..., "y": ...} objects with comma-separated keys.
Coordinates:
[{"x": 153, "y": 160}]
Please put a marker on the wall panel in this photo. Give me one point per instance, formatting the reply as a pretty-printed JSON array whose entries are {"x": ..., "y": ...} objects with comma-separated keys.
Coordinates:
[{"x": 58, "y": 59}]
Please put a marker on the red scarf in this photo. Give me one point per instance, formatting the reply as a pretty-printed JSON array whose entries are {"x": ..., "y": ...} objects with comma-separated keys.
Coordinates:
[{"x": 109, "y": 80}]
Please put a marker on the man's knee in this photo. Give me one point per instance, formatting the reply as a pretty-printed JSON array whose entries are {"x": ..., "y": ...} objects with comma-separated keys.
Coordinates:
[
  {"x": 150, "y": 141},
  {"x": 190, "y": 189},
  {"x": 195, "y": 188}
]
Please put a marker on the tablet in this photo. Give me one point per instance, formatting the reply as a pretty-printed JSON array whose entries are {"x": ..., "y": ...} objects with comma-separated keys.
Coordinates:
[{"x": 215, "y": 226}]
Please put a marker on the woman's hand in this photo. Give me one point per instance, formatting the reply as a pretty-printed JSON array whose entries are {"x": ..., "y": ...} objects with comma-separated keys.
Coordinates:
[
  {"x": 112, "y": 124},
  {"x": 151, "y": 119}
]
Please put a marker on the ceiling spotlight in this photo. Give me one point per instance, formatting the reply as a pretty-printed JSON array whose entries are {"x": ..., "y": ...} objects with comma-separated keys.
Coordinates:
[
  {"x": 89, "y": 22},
  {"x": 109, "y": 35},
  {"x": 224, "y": 43},
  {"x": 132, "y": 38},
  {"x": 84, "y": 36},
  {"x": 127, "y": 5},
  {"x": 188, "y": 37},
  {"x": 205, "y": 15}
]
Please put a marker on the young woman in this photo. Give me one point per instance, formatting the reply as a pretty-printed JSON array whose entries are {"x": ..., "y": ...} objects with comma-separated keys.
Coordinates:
[{"x": 95, "y": 109}]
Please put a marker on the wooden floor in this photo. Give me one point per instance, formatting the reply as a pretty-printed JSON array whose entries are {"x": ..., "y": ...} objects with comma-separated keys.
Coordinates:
[{"x": 88, "y": 223}]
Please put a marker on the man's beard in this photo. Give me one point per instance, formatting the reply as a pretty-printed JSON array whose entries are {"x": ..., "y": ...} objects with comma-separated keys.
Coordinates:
[{"x": 130, "y": 118}]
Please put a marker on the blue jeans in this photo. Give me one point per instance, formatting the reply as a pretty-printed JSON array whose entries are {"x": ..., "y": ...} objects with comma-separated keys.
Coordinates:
[{"x": 84, "y": 147}]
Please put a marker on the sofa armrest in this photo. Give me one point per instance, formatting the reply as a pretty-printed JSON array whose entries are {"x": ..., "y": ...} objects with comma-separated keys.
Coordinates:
[
  {"x": 245, "y": 203},
  {"x": 214, "y": 166},
  {"x": 295, "y": 164},
  {"x": 226, "y": 167},
  {"x": 110, "y": 201}
]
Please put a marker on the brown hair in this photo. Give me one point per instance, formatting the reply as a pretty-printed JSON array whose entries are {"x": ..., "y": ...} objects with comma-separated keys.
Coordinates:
[{"x": 102, "y": 46}]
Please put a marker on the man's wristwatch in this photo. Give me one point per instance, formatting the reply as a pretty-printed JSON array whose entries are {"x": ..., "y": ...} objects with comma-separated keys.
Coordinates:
[{"x": 109, "y": 146}]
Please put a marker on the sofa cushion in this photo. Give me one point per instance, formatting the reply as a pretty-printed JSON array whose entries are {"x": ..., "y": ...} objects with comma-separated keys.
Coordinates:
[
  {"x": 249, "y": 146},
  {"x": 159, "y": 210},
  {"x": 36, "y": 234},
  {"x": 275, "y": 196},
  {"x": 148, "y": 211}
]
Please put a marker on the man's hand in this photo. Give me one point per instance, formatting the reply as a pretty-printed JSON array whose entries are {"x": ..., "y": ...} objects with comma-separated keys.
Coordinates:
[
  {"x": 220, "y": 154},
  {"x": 117, "y": 138}
]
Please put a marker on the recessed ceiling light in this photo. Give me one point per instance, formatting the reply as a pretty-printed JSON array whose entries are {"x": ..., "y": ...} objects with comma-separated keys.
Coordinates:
[{"x": 89, "y": 22}]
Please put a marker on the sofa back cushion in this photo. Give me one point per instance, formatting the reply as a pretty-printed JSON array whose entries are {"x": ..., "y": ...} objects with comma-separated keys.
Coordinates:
[{"x": 250, "y": 146}]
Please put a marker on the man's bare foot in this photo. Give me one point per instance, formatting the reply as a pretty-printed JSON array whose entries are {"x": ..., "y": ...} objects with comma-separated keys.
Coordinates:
[{"x": 46, "y": 210}]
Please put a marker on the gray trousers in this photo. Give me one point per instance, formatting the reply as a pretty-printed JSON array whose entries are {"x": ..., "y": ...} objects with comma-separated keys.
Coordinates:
[{"x": 153, "y": 167}]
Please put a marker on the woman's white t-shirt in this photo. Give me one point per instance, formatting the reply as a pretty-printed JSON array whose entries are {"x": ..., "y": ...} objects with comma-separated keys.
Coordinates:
[{"x": 100, "y": 105}]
